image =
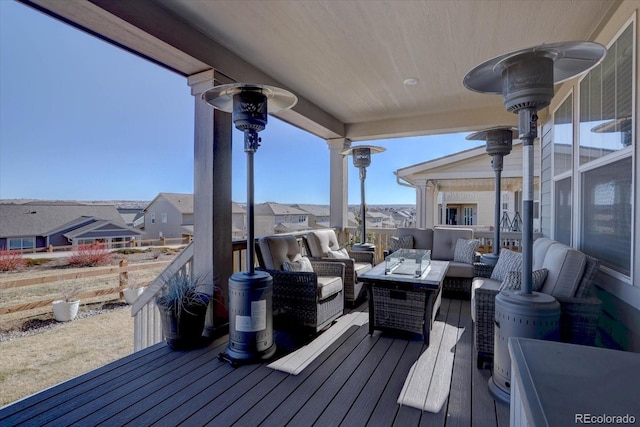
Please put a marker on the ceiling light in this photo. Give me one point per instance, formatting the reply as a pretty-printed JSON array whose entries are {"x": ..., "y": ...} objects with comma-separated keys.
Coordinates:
[{"x": 411, "y": 81}]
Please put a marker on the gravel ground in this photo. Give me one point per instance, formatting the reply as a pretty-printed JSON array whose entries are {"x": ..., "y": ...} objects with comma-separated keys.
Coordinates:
[{"x": 41, "y": 324}]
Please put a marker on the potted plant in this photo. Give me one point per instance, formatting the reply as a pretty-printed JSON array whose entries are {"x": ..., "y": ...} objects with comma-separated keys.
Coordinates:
[
  {"x": 183, "y": 303},
  {"x": 66, "y": 309}
]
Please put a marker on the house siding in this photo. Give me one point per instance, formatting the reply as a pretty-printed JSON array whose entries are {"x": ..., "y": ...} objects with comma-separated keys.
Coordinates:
[{"x": 172, "y": 228}]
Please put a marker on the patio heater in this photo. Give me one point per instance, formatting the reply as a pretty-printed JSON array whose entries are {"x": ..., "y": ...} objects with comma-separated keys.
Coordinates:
[
  {"x": 250, "y": 291},
  {"x": 499, "y": 141},
  {"x": 362, "y": 159},
  {"x": 525, "y": 78}
]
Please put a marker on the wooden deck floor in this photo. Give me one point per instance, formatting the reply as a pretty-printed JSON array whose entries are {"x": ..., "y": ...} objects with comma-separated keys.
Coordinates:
[{"x": 354, "y": 382}]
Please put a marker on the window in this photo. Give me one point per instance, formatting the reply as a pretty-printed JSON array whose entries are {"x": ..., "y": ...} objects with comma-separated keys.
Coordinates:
[
  {"x": 606, "y": 166},
  {"x": 163, "y": 217},
  {"x": 153, "y": 217},
  {"x": 607, "y": 209},
  {"x": 468, "y": 215},
  {"x": 606, "y": 121},
  {"x": 19, "y": 243},
  {"x": 562, "y": 225},
  {"x": 563, "y": 137},
  {"x": 562, "y": 168}
]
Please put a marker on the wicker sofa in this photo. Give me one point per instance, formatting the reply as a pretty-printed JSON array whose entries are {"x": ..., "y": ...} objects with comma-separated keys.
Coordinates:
[
  {"x": 322, "y": 245},
  {"x": 442, "y": 242},
  {"x": 308, "y": 299},
  {"x": 569, "y": 279}
]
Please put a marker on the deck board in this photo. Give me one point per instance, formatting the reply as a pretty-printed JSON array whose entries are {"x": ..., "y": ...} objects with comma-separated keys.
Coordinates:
[
  {"x": 355, "y": 382},
  {"x": 458, "y": 408}
]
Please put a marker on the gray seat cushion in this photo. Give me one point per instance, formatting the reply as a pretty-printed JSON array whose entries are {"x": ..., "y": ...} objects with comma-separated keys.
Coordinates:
[
  {"x": 328, "y": 285},
  {"x": 566, "y": 267},
  {"x": 321, "y": 242},
  {"x": 540, "y": 247},
  {"x": 361, "y": 267},
  {"x": 445, "y": 240},
  {"x": 460, "y": 269},
  {"x": 278, "y": 249},
  {"x": 422, "y": 237}
]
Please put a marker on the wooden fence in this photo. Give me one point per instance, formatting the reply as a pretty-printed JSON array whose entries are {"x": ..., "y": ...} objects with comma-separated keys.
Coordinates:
[
  {"x": 147, "y": 243},
  {"x": 121, "y": 272}
]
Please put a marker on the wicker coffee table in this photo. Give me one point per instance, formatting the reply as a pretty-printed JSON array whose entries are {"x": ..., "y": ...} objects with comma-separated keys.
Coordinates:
[{"x": 404, "y": 303}]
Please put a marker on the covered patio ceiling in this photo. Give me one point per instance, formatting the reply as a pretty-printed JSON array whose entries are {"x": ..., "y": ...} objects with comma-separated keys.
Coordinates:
[{"x": 345, "y": 60}]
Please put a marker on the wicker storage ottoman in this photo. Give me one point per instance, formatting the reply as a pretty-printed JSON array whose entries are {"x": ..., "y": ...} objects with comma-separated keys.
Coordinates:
[{"x": 399, "y": 309}]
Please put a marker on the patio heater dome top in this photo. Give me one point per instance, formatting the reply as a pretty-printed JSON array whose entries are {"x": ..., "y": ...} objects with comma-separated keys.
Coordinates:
[
  {"x": 372, "y": 148},
  {"x": 569, "y": 59},
  {"x": 221, "y": 97},
  {"x": 482, "y": 135},
  {"x": 362, "y": 154}
]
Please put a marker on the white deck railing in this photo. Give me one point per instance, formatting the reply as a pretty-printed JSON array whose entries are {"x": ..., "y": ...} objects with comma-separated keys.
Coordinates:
[{"x": 147, "y": 329}]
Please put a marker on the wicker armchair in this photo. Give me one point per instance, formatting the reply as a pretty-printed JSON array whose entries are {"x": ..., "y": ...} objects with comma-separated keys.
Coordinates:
[
  {"x": 320, "y": 242},
  {"x": 303, "y": 299},
  {"x": 578, "y": 314}
]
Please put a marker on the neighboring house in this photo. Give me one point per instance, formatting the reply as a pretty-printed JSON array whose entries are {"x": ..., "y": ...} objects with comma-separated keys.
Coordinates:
[
  {"x": 130, "y": 215},
  {"x": 403, "y": 218},
  {"x": 169, "y": 216},
  {"x": 459, "y": 189},
  {"x": 379, "y": 219},
  {"x": 238, "y": 221},
  {"x": 273, "y": 218},
  {"x": 40, "y": 224},
  {"x": 319, "y": 215}
]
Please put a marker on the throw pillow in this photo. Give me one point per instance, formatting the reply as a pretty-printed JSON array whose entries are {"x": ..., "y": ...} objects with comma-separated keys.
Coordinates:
[
  {"x": 303, "y": 264},
  {"x": 466, "y": 250},
  {"x": 339, "y": 254},
  {"x": 508, "y": 261},
  {"x": 404, "y": 242},
  {"x": 513, "y": 281}
]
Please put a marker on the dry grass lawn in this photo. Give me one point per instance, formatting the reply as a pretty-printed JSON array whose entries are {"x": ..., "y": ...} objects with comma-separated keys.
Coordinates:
[{"x": 33, "y": 363}]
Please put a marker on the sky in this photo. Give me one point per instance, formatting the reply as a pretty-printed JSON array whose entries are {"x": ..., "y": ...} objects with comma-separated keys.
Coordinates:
[{"x": 81, "y": 119}]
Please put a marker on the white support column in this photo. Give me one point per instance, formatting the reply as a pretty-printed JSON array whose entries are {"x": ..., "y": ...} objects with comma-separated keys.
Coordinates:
[
  {"x": 338, "y": 187},
  {"x": 211, "y": 189},
  {"x": 426, "y": 203},
  {"x": 431, "y": 205},
  {"x": 421, "y": 203}
]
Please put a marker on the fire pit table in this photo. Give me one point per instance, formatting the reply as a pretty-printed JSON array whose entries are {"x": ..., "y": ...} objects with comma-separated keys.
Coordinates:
[{"x": 400, "y": 301}]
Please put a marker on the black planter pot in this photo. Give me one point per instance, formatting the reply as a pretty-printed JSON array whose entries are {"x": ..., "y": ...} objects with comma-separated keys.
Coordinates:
[{"x": 184, "y": 332}]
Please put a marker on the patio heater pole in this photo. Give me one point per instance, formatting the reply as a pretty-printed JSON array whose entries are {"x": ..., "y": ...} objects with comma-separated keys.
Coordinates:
[
  {"x": 250, "y": 292},
  {"x": 363, "y": 210},
  {"x": 499, "y": 142},
  {"x": 362, "y": 159},
  {"x": 525, "y": 79}
]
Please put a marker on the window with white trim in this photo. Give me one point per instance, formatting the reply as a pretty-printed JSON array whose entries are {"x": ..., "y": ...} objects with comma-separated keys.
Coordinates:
[
  {"x": 605, "y": 163},
  {"x": 20, "y": 243},
  {"x": 562, "y": 168}
]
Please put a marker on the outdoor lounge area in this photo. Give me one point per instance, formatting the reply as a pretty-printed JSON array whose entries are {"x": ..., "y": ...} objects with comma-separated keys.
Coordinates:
[
  {"x": 357, "y": 380},
  {"x": 354, "y": 72}
]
